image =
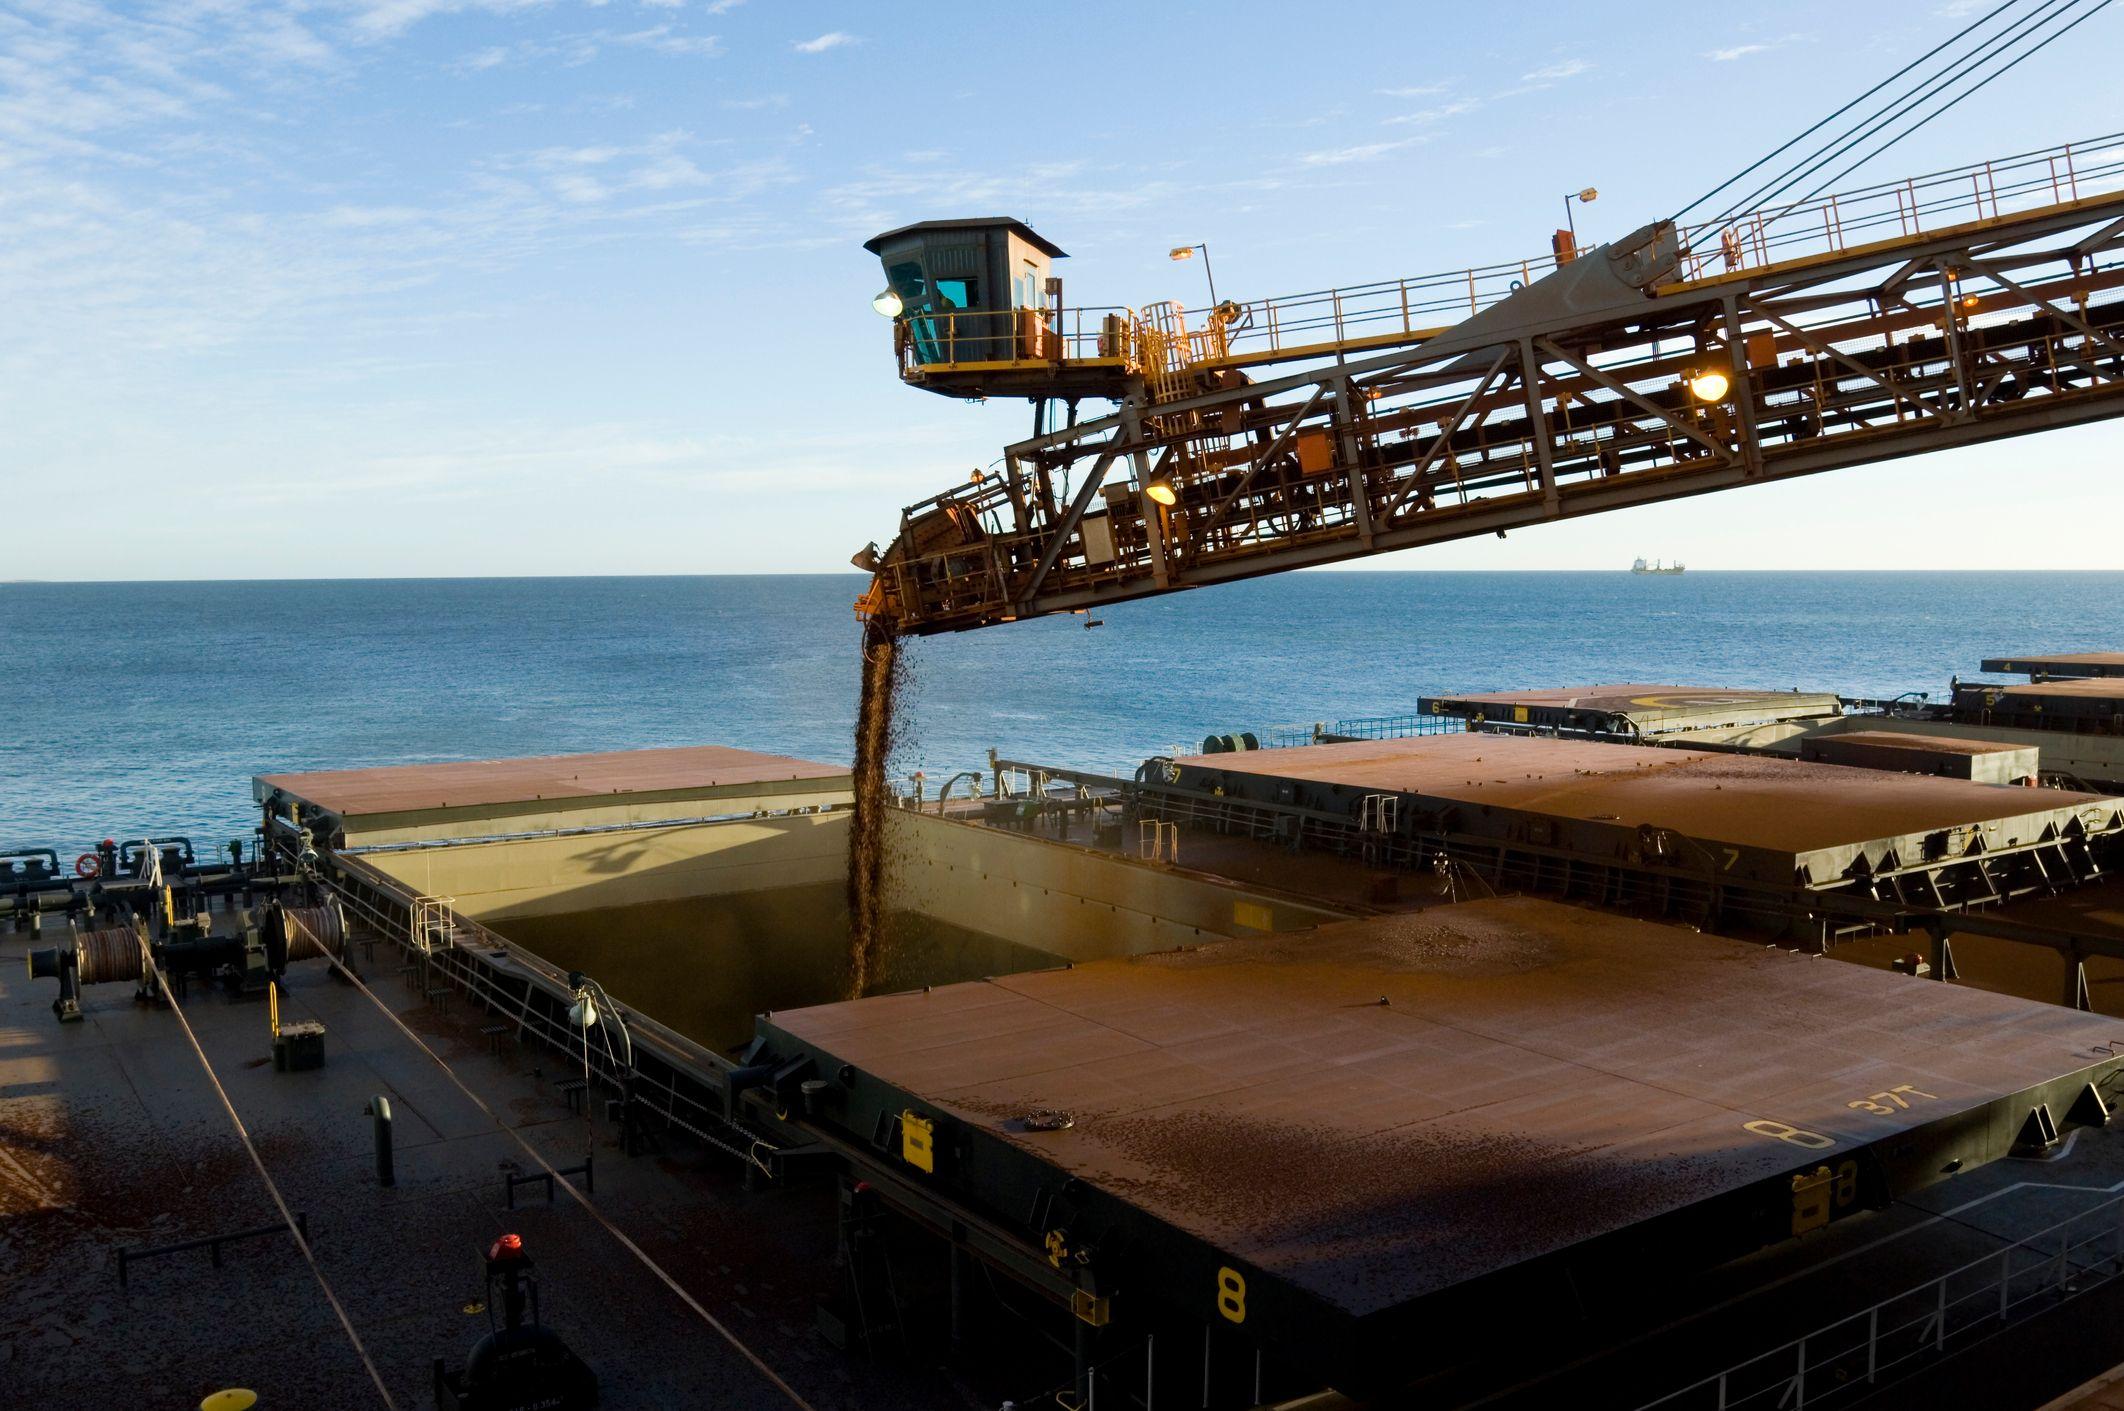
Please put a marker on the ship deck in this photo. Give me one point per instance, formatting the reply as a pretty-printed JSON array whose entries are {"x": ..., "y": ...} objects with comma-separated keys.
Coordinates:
[
  {"x": 2058, "y": 664},
  {"x": 457, "y": 799},
  {"x": 111, "y": 1137},
  {"x": 1638, "y": 709},
  {"x": 1781, "y": 817},
  {"x": 402, "y": 788},
  {"x": 1341, "y": 1115}
]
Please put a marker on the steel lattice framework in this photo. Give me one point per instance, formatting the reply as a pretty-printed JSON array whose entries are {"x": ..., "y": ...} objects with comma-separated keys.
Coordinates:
[{"x": 1564, "y": 398}]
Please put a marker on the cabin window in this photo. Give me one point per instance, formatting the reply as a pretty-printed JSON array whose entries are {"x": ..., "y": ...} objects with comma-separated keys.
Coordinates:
[
  {"x": 906, "y": 281},
  {"x": 959, "y": 293}
]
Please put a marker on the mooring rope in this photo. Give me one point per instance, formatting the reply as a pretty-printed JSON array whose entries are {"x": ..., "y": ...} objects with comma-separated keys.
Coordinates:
[
  {"x": 796, "y": 1398},
  {"x": 294, "y": 1230}
]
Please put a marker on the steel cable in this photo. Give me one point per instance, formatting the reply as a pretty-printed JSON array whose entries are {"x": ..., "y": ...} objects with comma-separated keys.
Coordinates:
[
  {"x": 1985, "y": 49},
  {"x": 110, "y": 954},
  {"x": 1991, "y": 49},
  {"x": 796, "y": 1398},
  {"x": 314, "y": 933},
  {"x": 294, "y": 1230},
  {"x": 2048, "y": 40},
  {"x": 1773, "y": 156}
]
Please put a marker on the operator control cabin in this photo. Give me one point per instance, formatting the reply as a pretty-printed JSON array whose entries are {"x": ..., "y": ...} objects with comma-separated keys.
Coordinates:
[{"x": 976, "y": 312}]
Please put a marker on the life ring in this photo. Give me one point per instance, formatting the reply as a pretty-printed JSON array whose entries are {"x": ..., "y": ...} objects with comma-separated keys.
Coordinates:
[{"x": 88, "y": 865}]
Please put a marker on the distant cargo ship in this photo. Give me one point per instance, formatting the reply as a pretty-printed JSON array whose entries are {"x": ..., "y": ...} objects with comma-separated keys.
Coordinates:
[{"x": 1656, "y": 566}]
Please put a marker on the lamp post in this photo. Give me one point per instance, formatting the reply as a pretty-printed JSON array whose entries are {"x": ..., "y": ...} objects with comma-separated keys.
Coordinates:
[
  {"x": 1187, "y": 252},
  {"x": 1588, "y": 196},
  {"x": 590, "y": 1007}
]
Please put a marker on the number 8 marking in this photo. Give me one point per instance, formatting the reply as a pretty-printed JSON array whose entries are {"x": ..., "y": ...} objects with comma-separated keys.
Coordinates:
[
  {"x": 1231, "y": 1295},
  {"x": 1798, "y": 1136}
]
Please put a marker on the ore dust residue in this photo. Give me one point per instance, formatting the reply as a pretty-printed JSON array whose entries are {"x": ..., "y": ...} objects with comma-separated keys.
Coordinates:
[{"x": 882, "y": 679}]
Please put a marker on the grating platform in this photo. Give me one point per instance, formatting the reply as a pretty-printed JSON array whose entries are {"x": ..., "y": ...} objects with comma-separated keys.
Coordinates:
[
  {"x": 1372, "y": 1139},
  {"x": 1631, "y": 711},
  {"x": 1736, "y": 818}
]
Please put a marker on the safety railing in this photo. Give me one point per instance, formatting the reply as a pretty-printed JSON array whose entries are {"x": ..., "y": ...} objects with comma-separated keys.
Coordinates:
[
  {"x": 1843, "y": 1361},
  {"x": 433, "y": 924},
  {"x": 1390, "y": 727},
  {"x": 1385, "y": 312},
  {"x": 957, "y": 337},
  {"x": 1408, "y": 309},
  {"x": 1957, "y": 196},
  {"x": 1363, "y": 727},
  {"x": 1840, "y": 374},
  {"x": 533, "y": 997}
]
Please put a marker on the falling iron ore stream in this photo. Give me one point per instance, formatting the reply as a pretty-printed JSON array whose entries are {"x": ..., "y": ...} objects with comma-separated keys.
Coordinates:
[{"x": 866, "y": 833}]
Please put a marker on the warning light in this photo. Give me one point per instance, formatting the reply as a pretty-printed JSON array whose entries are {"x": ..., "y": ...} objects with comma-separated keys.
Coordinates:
[{"x": 507, "y": 1247}]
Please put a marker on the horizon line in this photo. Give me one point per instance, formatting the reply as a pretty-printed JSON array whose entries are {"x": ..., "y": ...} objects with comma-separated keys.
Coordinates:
[{"x": 858, "y": 576}]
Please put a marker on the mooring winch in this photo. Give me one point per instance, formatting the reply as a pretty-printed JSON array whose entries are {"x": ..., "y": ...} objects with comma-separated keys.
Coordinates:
[{"x": 260, "y": 950}]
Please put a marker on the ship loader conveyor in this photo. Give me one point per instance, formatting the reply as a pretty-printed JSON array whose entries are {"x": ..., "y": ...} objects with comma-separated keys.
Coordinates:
[{"x": 1675, "y": 361}]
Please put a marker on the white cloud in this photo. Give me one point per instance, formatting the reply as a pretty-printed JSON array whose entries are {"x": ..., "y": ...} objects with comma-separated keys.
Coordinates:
[
  {"x": 1362, "y": 152},
  {"x": 387, "y": 19},
  {"x": 158, "y": 202},
  {"x": 722, "y": 7},
  {"x": 664, "y": 40},
  {"x": 1438, "y": 114},
  {"x": 1742, "y": 51},
  {"x": 1421, "y": 90},
  {"x": 832, "y": 39},
  {"x": 1568, "y": 68},
  {"x": 1071, "y": 195},
  {"x": 370, "y": 217},
  {"x": 575, "y": 50}
]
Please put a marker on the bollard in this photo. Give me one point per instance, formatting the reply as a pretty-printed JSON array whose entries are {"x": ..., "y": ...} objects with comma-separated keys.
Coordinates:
[{"x": 379, "y": 1110}]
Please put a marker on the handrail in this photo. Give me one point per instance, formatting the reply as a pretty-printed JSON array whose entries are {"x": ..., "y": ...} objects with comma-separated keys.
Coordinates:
[
  {"x": 1852, "y": 1355},
  {"x": 1912, "y": 206},
  {"x": 1411, "y": 309}
]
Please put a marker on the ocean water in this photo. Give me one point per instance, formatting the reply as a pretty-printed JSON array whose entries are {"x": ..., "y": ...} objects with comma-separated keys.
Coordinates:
[{"x": 147, "y": 707}]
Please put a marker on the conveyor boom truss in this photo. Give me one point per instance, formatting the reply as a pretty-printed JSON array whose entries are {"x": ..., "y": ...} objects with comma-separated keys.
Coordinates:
[{"x": 1567, "y": 398}]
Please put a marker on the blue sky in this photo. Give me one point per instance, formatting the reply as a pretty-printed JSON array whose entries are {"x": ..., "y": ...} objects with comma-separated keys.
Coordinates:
[{"x": 424, "y": 287}]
